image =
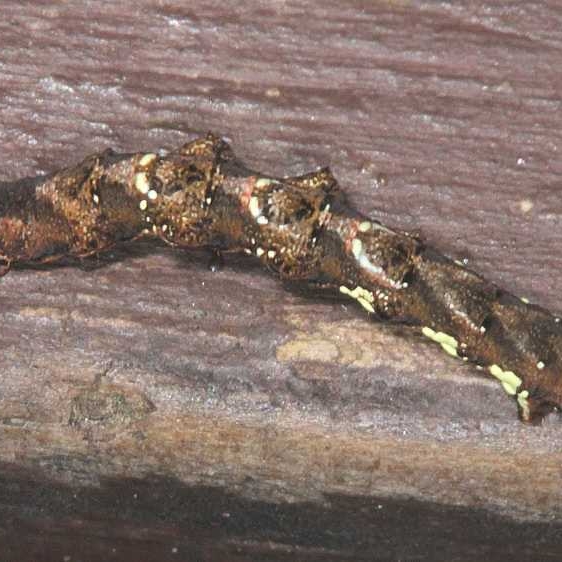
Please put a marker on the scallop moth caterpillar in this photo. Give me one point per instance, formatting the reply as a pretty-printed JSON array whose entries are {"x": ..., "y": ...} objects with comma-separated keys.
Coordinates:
[{"x": 302, "y": 230}]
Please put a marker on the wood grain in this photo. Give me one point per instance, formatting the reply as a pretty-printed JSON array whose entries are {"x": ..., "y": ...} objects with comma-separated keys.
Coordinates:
[{"x": 438, "y": 117}]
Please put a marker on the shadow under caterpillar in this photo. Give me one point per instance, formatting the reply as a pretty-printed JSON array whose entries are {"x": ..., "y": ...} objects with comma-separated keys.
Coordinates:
[{"x": 301, "y": 229}]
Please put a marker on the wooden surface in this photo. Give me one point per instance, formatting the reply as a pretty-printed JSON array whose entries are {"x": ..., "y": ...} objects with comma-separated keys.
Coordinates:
[{"x": 153, "y": 410}]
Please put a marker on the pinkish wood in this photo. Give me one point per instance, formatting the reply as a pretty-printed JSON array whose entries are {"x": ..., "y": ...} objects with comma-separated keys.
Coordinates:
[{"x": 443, "y": 117}]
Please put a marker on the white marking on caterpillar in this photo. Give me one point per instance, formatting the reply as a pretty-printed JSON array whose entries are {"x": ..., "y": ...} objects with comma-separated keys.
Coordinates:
[
  {"x": 147, "y": 159},
  {"x": 143, "y": 205},
  {"x": 365, "y": 226},
  {"x": 263, "y": 182},
  {"x": 260, "y": 252},
  {"x": 262, "y": 220},
  {"x": 152, "y": 194},
  {"x": 358, "y": 252},
  {"x": 524, "y": 404},
  {"x": 366, "y": 263},
  {"x": 357, "y": 247},
  {"x": 254, "y": 207},
  {"x": 141, "y": 183}
]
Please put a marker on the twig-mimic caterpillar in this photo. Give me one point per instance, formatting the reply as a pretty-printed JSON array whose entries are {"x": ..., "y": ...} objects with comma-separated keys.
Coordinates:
[{"x": 301, "y": 229}]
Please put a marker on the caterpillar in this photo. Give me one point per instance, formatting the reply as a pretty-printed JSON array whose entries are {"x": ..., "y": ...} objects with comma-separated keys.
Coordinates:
[{"x": 301, "y": 229}]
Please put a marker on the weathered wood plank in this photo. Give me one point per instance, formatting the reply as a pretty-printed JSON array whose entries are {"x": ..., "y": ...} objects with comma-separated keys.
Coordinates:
[{"x": 440, "y": 117}]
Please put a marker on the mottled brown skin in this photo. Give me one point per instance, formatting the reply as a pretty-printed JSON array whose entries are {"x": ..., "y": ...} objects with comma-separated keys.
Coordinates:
[{"x": 301, "y": 229}]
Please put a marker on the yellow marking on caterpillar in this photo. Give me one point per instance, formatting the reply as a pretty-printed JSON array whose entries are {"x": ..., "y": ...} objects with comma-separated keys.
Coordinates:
[
  {"x": 450, "y": 349},
  {"x": 510, "y": 381},
  {"x": 509, "y": 389},
  {"x": 525, "y": 300},
  {"x": 447, "y": 342},
  {"x": 364, "y": 226},
  {"x": 263, "y": 182},
  {"x": 362, "y": 296}
]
